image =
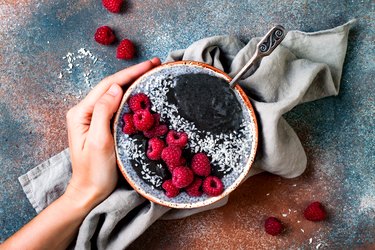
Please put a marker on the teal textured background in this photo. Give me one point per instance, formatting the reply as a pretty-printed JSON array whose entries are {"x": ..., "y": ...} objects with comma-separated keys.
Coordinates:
[{"x": 337, "y": 132}]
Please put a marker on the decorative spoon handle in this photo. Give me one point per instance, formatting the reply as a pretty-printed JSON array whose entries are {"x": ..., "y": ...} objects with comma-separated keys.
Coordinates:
[{"x": 265, "y": 47}]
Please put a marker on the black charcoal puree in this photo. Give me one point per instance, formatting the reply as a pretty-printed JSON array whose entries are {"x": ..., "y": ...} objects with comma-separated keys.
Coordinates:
[{"x": 207, "y": 101}]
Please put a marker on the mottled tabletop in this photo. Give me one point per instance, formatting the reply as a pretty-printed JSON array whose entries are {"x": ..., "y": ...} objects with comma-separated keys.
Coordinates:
[{"x": 38, "y": 85}]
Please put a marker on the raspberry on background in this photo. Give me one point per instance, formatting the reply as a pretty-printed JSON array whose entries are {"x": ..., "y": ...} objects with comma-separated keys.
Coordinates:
[
  {"x": 273, "y": 226},
  {"x": 104, "y": 35},
  {"x": 113, "y": 6},
  {"x": 125, "y": 50},
  {"x": 315, "y": 212}
]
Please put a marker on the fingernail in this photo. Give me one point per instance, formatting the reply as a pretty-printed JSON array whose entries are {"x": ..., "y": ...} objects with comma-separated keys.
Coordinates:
[
  {"x": 155, "y": 61},
  {"x": 113, "y": 90}
]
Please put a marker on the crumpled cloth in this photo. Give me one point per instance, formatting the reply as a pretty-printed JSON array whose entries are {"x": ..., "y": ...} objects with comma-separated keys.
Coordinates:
[{"x": 305, "y": 67}]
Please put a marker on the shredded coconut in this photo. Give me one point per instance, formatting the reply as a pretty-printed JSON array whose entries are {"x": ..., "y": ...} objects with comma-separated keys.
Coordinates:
[
  {"x": 82, "y": 57},
  {"x": 225, "y": 150},
  {"x": 229, "y": 151}
]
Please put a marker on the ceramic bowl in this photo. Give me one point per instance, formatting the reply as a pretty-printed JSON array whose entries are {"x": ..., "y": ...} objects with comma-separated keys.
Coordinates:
[{"x": 128, "y": 156}]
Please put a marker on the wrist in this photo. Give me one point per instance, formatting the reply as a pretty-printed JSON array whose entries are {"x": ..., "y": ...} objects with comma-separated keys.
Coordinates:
[{"x": 84, "y": 201}]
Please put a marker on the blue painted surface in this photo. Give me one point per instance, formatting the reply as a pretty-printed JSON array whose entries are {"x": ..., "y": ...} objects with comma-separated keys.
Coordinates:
[{"x": 33, "y": 100}]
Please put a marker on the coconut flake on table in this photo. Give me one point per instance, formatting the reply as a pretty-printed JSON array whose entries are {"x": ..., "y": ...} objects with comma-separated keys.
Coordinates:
[{"x": 83, "y": 60}]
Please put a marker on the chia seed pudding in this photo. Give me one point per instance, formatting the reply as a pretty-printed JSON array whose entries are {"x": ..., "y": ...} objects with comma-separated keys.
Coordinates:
[{"x": 199, "y": 102}]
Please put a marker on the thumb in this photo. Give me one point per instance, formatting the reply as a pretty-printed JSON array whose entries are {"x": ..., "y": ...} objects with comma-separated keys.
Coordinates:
[{"x": 104, "y": 108}]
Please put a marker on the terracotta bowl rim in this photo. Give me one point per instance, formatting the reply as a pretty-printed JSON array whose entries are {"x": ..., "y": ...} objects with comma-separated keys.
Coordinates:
[{"x": 209, "y": 200}]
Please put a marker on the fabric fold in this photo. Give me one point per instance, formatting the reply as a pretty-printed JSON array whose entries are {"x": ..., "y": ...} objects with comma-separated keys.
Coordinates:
[{"x": 305, "y": 67}]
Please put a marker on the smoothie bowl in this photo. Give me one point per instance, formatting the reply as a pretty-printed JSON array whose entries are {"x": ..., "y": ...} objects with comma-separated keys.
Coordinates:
[{"x": 183, "y": 137}]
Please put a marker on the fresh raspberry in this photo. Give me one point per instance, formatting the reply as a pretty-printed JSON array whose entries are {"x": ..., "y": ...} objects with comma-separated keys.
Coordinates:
[
  {"x": 140, "y": 101},
  {"x": 212, "y": 186},
  {"x": 161, "y": 130},
  {"x": 128, "y": 127},
  {"x": 178, "y": 139},
  {"x": 181, "y": 162},
  {"x": 194, "y": 189},
  {"x": 104, "y": 35},
  {"x": 200, "y": 164},
  {"x": 113, "y": 6},
  {"x": 171, "y": 168},
  {"x": 155, "y": 147},
  {"x": 315, "y": 212},
  {"x": 171, "y": 155},
  {"x": 125, "y": 50},
  {"x": 171, "y": 190},
  {"x": 143, "y": 120},
  {"x": 156, "y": 131},
  {"x": 273, "y": 226},
  {"x": 182, "y": 177}
]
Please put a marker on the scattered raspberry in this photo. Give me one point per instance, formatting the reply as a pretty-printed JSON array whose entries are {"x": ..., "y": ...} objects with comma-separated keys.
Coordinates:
[
  {"x": 125, "y": 50},
  {"x": 113, "y": 6},
  {"x": 178, "y": 139},
  {"x": 156, "y": 131},
  {"x": 155, "y": 147},
  {"x": 194, "y": 189},
  {"x": 143, "y": 120},
  {"x": 213, "y": 186},
  {"x": 273, "y": 226},
  {"x": 128, "y": 127},
  {"x": 104, "y": 35},
  {"x": 171, "y": 155},
  {"x": 140, "y": 101},
  {"x": 315, "y": 212},
  {"x": 171, "y": 191},
  {"x": 182, "y": 177},
  {"x": 200, "y": 164}
]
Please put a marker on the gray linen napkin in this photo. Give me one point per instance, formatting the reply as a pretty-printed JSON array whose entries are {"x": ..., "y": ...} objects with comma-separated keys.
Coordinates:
[{"x": 305, "y": 67}]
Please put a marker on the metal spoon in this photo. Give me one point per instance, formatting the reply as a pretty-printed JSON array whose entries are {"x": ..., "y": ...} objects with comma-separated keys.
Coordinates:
[{"x": 265, "y": 47}]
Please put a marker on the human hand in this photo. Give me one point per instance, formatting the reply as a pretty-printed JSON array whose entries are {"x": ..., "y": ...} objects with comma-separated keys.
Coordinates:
[
  {"x": 93, "y": 162},
  {"x": 91, "y": 143}
]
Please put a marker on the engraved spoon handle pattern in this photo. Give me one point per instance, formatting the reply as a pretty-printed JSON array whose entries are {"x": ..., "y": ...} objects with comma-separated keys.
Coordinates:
[{"x": 265, "y": 47}]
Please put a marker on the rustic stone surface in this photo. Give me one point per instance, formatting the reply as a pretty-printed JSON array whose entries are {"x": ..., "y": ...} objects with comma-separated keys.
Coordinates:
[{"x": 337, "y": 132}]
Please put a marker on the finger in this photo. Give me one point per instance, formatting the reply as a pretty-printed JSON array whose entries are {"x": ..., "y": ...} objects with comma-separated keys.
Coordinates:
[
  {"x": 99, "y": 135},
  {"x": 78, "y": 122},
  {"x": 123, "y": 77},
  {"x": 130, "y": 74}
]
